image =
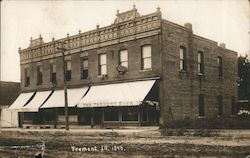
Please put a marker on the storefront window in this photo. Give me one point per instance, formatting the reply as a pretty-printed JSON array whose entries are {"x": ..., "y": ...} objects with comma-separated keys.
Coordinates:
[
  {"x": 130, "y": 114},
  {"x": 111, "y": 114}
]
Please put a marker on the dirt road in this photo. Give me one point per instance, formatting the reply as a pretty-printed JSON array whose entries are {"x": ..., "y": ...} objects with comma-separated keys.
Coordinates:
[{"x": 71, "y": 145}]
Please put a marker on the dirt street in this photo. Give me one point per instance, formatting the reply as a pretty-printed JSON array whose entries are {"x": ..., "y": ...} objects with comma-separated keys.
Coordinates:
[{"x": 111, "y": 144}]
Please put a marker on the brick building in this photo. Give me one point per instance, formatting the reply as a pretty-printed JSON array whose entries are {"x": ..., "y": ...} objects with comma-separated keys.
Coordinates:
[{"x": 141, "y": 70}]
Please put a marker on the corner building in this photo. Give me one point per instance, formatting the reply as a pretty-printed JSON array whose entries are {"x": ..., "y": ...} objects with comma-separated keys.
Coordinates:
[{"x": 141, "y": 70}]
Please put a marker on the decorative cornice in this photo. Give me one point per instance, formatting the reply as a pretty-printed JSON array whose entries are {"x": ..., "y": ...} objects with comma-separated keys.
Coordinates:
[{"x": 136, "y": 28}]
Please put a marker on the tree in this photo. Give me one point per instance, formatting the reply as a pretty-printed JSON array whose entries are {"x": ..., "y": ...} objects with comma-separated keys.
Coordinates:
[{"x": 244, "y": 78}]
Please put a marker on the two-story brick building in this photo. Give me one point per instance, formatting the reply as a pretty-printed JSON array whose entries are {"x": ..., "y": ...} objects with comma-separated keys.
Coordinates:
[{"x": 141, "y": 70}]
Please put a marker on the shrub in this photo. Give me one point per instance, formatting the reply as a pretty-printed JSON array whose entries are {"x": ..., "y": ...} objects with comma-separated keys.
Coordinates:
[{"x": 238, "y": 122}]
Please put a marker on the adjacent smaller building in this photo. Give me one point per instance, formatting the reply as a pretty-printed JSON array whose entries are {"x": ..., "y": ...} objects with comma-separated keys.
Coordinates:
[{"x": 9, "y": 91}]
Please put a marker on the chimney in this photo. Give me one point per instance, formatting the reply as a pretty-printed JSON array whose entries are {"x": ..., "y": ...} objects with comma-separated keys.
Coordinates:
[
  {"x": 222, "y": 45},
  {"x": 188, "y": 25}
]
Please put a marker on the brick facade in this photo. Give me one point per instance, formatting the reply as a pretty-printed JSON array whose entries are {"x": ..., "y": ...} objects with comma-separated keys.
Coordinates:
[{"x": 179, "y": 90}]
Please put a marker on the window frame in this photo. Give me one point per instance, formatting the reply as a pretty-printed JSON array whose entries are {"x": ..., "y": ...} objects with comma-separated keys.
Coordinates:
[
  {"x": 200, "y": 62},
  {"x": 84, "y": 70},
  {"x": 183, "y": 58},
  {"x": 26, "y": 77},
  {"x": 101, "y": 65},
  {"x": 113, "y": 110},
  {"x": 220, "y": 66},
  {"x": 126, "y": 111},
  {"x": 145, "y": 58},
  {"x": 39, "y": 75},
  {"x": 120, "y": 62},
  {"x": 68, "y": 74},
  {"x": 52, "y": 73}
]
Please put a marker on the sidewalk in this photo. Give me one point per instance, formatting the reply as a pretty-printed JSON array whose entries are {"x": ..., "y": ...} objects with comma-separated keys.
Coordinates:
[{"x": 152, "y": 131}]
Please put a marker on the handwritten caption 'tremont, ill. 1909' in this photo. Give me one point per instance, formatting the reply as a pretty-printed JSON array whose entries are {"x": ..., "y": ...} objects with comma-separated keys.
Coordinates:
[{"x": 100, "y": 148}]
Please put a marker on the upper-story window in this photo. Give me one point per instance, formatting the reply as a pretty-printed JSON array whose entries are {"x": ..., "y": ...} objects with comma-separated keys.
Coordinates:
[
  {"x": 68, "y": 70},
  {"x": 53, "y": 73},
  {"x": 84, "y": 68},
  {"x": 123, "y": 58},
  {"x": 102, "y": 64},
  {"x": 183, "y": 58},
  {"x": 146, "y": 57},
  {"x": 220, "y": 66},
  {"x": 39, "y": 75},
  {"x": 200, "y": 62},
  {"x": 26, "y": 77}
]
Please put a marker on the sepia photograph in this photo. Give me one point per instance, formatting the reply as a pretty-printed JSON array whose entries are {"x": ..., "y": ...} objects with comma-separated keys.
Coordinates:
[{"x": 131, "y": 78}]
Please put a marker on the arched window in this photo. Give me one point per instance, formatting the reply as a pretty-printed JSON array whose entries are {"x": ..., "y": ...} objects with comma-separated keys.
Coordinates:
[
  {"x": 183, "y": 58},
  {"x": 220, "y": 66},
  {"x": 200, "y": 62}
]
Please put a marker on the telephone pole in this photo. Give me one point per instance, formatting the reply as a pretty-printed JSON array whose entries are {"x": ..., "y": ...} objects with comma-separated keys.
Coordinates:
[{"x": 63, "y": 49}]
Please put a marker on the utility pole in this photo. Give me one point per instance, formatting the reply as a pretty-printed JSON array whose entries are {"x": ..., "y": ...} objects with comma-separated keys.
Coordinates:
[{"x": 63, "y": 49}]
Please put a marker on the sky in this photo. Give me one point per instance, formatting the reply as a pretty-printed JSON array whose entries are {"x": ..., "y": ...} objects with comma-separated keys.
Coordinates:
[{"x": 224, "y": 21}]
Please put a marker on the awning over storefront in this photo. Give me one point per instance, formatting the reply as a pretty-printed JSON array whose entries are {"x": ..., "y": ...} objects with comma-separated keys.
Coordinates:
[
  {"x": 57, "y": 98},
  {"x": 36, "y": 102},
  {"x": 21, "y": 100},
  {"x": 119, "y": 94}
]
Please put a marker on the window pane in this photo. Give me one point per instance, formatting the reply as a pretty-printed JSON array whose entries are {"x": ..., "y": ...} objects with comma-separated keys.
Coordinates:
[
  {"x": 68, "y": 65},
  {"x": 199, "y": 57},
  {"x": 111, "y": 114},
  {"x": 53, "y": 68},
  {"x": 125, "y": 64},
  {"x": 103, "y": 69},
  {"x": 102, "y": 59},
  {"x": 123, "y": 55},
  {"x": 181, "y": 65},
  {"x": 27, "y": 72},
  {"x": 147, "y": 63},
  {"x": 146, "y": 51},
  {"x": 84, "y": 74},
  {"x": 85, "y": 64},
  {"x": 181, "y": 53},
  {"x": 130, "y": 114}
]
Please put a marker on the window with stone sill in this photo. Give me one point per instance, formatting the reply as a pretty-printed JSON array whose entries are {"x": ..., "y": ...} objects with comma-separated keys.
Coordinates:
[
  {"x": 68, "y": 70},
  {"x": 26, "y": 77},
  {"x": 146, "y": 59},
  {"x": 39, "y": 75},
  {"x": 200, "y": 62},
  {"x": 53, "y": 73},
  {"x": 220, "y": 66},
  {"x": 102, "y": 64},
  {"x": 183, "y": 59},
  {"x": 123, "y": 58},
  {"x": 84, "y": 68}
]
